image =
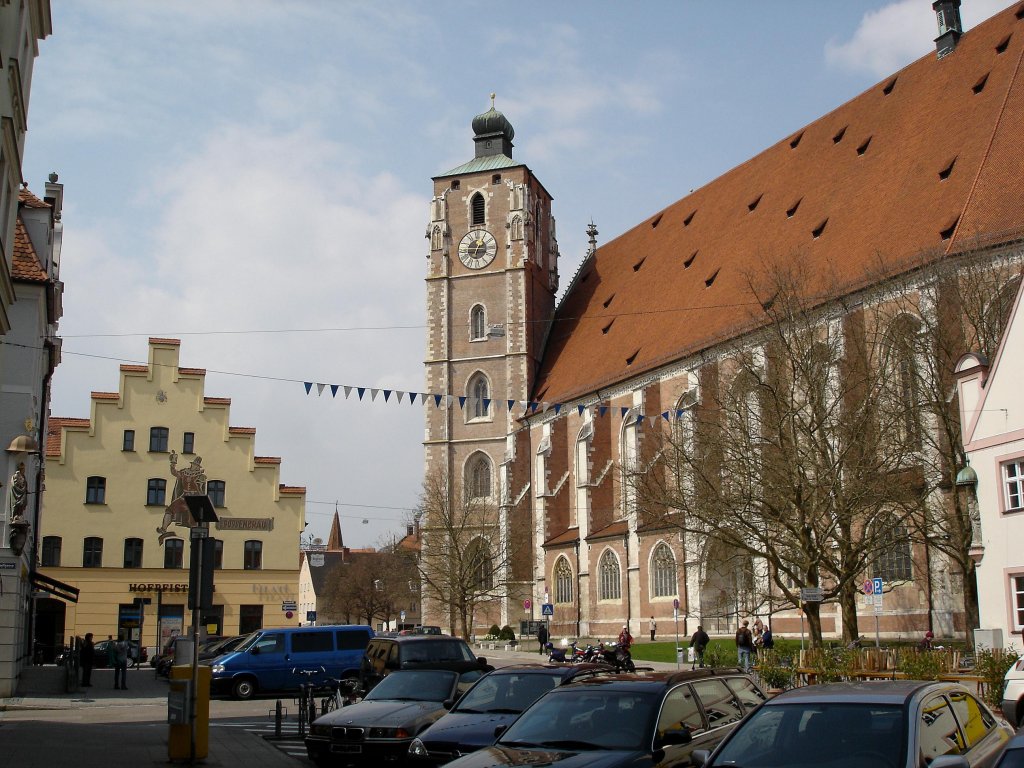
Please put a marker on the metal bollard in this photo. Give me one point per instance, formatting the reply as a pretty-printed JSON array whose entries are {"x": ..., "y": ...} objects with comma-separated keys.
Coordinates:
[{"x": 277, "y": 720}]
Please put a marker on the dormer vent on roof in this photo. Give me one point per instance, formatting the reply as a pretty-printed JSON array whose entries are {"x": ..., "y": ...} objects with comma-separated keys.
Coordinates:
[
  {"x": 839, "y": 136},
  {"x": 689, "y": 261},
  {"x": 657, "y": 220},
  {"x": 864, "y": 147},
  {"x": 631, "y": 358},
  {"x": 608, "y": 301},
  {"x": 944, "y": 173},
  {"x": 688, "y": 219},
  {"x": 711, "y": 280},
  {"x": 795, "y": 141},
  {"x": 753, "y": 203},
  {"x": 948, "y": 231},
  {"x": 609, "y": 326},
  {"x": 792, "y": 209},
  {"x": 947, "y": 14},
  {"x": 1004, "y": 44},
  {"x": 889, "y": 86},
  {"x": 1020, "y": 13},
  {"x": 979, "y": 86},
  {"x": 816, "y": 232},
  {"x": 636, "y": 267}
]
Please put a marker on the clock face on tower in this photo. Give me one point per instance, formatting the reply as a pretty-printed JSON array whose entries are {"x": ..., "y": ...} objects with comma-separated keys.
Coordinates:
[{"x": 477, "y": 248}]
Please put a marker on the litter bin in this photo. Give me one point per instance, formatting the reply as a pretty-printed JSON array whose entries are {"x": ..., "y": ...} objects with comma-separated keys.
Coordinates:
[{"x": 679, "y": 655}]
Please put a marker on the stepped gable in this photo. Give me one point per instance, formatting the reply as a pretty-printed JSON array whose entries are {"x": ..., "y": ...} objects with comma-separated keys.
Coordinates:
[{"x": 924, "y": 164}]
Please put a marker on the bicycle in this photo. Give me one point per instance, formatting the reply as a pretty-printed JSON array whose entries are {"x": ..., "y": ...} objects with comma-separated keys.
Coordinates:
[
  {"x": 307, "y": 698},
  {"x": 343, "y": 692}
]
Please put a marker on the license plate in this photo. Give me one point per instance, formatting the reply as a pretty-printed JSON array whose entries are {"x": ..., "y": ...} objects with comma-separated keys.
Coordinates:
[{"x": 347, "y": 748}]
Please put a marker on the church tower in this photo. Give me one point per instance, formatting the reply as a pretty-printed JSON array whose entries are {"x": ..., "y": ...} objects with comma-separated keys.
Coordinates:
[{"x": 491, "y": 284}]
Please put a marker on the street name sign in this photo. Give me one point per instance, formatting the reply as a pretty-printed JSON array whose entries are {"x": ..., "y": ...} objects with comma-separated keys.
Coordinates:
[{"x": 811, "y": 595}]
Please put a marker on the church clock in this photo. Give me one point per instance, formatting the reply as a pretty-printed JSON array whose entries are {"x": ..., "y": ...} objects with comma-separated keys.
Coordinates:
[{"x": 477, "y": 249}]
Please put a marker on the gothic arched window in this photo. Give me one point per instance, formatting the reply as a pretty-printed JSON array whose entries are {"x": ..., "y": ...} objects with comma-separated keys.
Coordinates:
[
  {"x": 478, "y": 558},
  {"x": 894, "y": 561},
  {"x": 478, "y": 210},
  {"x": 478, "y": 404},
  {"x": 902, "y": 378},
  {"x": 611, "y": 577},
  {"x": 517, "y": 228},
  {"x": 435, "y": 239},
  {"x": 478, "y": 476},
  {"x": 563, "y": 581},
  {"x": 663, "y": 572},
  {"x": 477, "y": 323}
]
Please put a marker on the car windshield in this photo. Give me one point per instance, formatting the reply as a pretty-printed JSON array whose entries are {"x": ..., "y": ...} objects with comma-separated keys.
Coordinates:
[
  {"x": 507, "y": 692},
  {"x": 438, "y": 650},
  {"x": 586, "y": 718},
  {"x": 827, "y": 735},
  {"x": 249, "y": 640},
  {"x": 415, "y": 685}
]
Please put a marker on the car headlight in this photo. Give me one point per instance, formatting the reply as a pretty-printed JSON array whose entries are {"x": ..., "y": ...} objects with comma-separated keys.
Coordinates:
[
  {"x": 318, "y": 729},
  {"x": 388, "y": 733},
  {"x": 217, "y": 669},
  {"x": 418, "y": 748}
]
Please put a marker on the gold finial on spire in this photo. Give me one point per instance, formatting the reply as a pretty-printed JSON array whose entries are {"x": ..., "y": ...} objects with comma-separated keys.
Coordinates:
[{"x": 492, "y": 99}]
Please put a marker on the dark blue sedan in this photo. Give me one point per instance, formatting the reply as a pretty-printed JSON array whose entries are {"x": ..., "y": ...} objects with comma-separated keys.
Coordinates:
[{"x": 495, "y": 700}]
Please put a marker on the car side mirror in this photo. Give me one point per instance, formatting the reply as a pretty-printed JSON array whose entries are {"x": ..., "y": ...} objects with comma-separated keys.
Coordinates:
[
  {"x": 448, "y": 703},
  {"x": 481, "y": 660},
  {"x": 700, "y": 756},
  {"x": 500, "y": 730},
  {"x": 949, "y": 761},
  {"x": 255, "y": 650}
]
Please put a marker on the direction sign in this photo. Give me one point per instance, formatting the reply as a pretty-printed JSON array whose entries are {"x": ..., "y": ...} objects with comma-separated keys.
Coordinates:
[
  {"x": 810, "y": 595},
  {"x": 288, "y": 605},
  {"x": 547, "y": 609}
]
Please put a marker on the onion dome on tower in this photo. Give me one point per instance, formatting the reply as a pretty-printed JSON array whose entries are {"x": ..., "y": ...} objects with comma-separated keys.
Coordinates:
[{"x": 493, "y": 133}]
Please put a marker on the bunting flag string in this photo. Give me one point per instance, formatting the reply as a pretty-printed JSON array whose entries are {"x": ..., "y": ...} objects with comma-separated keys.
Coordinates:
[{"x": 525, "y": 407}]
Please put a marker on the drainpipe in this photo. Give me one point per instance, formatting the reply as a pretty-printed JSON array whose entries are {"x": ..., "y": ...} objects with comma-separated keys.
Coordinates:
[
  {"x": 629, "y": 597},
  {"x": 579, "y": 599}
]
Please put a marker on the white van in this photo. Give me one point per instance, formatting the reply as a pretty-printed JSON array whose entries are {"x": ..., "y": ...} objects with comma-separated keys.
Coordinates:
[{"x": 1013, "y": 694}]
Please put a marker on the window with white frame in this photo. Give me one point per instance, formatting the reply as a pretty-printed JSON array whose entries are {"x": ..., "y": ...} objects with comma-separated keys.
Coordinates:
[
  {"x": 663, "y": 572},
  {"x": 611, "y": 577},
  {"x": 563, "y": 581},
  {"x": 1017, "y": 586},
  {"x": 1013, "y": 485},
  {"x": 477, "y": 323}
]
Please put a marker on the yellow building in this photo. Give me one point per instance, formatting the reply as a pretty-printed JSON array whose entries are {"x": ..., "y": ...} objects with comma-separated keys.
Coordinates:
[{"x": 110, "y": 480}]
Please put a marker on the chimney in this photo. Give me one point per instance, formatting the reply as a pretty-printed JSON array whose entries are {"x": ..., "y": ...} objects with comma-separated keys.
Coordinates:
[
  {"x": 408, "y": 530},
  {"x": 947, "y": 14}
]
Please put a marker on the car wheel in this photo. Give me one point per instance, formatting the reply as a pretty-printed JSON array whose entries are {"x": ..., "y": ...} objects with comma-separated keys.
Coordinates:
[{"x": 243, "y": 688}]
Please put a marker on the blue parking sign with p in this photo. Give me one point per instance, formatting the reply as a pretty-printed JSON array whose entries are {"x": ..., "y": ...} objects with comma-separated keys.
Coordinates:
[{"x": 877, "y": 583}]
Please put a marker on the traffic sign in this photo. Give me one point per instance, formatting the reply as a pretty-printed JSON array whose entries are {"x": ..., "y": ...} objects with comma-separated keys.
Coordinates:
[
  {"x": 310, "y": 615},
  {"x": 401, "y": 616},
  {"x": 877, "y": 583},
  {"x": 527, "y": 604},
  {"x": 547, "y": 609},
  {"x": 289, "y": 605},
  {"x": 869, "y": 587}
]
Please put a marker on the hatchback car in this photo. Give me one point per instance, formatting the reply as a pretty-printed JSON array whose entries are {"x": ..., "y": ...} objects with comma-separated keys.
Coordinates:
[
  {"x": 638, "y": 720},
  {"x": 386, "y": 654},
  {"x": 892, "y": 724},
  {"x": 378, "y": 729},
  {"x": 494, "y": 701}
]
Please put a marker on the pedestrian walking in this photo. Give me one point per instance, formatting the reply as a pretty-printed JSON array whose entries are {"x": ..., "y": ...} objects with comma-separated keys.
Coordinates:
[
  {"x": 699, "y": 642},
  {"x": 119, "y": 651},
  {"x": 88, "y": 651},
  {"x": 542, "y": 637},
  {"x": 926, "y": 641},
  {"x": 744, "y": 646},
  {"x": 767, "y": 641},
  {"x": 654, "y": 628}
]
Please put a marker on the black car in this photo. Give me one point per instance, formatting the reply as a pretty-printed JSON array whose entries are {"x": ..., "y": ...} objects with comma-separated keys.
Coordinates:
[
  {"x": 378, "y": 729},
  {"x": 890, "y": 724},
  {"x": 494, "y": 701},
  {"x": 386, "y": 654},
  {"x": 1013, "y": 754},
  {"x": 637, "y": 719},
  {"x": 209, "y": 651}
]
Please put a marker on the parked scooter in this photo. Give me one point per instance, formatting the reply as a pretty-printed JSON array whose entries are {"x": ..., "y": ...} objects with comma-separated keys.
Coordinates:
[{"x": 617, "y": 656}]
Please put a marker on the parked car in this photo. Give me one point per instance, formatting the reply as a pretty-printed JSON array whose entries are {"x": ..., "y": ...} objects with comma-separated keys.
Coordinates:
[
  {"x": 1013, "y": 694},
  {"x": 1013, "y": 755},
  {"x": 892, "y": 724},
  {"x": 494, "y": 700},
  {"x": 166, "y": 661},
  {"x": 639, "y": 719},
  {"x": 219, "y": 648},
  {"x": 386, "y": 654},
  {"x": 378, "y": 729},
  {"x": 273, "y": 660}
]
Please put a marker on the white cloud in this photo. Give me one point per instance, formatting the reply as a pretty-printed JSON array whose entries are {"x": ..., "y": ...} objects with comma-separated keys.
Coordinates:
[{"x": 893, "y": 36}]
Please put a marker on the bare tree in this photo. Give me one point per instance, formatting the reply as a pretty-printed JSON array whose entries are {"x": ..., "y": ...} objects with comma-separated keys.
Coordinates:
[
  {"x": 373, "y": 585},
  {"x": 465, "y": 559},
  {"x": 959, "y": 306},
  {"x": 793, "y": 448}
]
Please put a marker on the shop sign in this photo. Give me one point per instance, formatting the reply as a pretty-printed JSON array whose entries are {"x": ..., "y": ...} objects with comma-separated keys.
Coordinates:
[
  {"x": 245, "y": 524},
  {"x": 159, "y": 588}
]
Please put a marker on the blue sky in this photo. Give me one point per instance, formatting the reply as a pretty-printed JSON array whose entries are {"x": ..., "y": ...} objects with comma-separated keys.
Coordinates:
[{"x": 263, "y": 168}]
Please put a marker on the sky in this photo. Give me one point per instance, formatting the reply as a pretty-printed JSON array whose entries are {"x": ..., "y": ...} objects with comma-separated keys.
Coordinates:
[{"x": 253, "y": 178}]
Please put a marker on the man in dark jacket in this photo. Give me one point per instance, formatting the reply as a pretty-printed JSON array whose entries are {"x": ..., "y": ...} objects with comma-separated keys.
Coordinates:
[
  {"x": 542, "y": 636},
  {"x": 88, "y": 653},
  {"x": 744, "y": 646},
  {"x": 699, "y": 642}
]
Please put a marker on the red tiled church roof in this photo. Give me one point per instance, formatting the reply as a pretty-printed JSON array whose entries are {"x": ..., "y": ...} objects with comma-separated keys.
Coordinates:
[{"x": 926, "y": 163}]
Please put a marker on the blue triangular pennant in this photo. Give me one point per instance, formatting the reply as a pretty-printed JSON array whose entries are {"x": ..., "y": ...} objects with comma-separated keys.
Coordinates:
[
  {"x": 602, "y": 410},
  {"x": 334, "y": 390},
  {"x": 558, "y": 408},
  {"x": 462, "y": 402},
  {"x": 308, "y": 385},
  {"x": 581, "y": 409},
  {"x": 437, "y": 401},
  {"x": 361, "y": 391},
  {"x": 510, "y": 404},
  {"x": 387, "y": 394}
]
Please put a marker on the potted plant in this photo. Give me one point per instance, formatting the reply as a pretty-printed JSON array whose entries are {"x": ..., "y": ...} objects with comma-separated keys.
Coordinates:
[{"x": 773, "y": 674}]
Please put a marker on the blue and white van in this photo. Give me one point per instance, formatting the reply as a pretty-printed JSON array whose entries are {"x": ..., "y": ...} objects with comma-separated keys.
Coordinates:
[{"x": 273, "y": 660}]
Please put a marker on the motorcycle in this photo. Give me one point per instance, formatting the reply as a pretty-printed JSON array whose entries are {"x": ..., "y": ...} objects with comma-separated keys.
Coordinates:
[
  {"x": 617, "y": 656},
  {"x": 561, "y": 655}
]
